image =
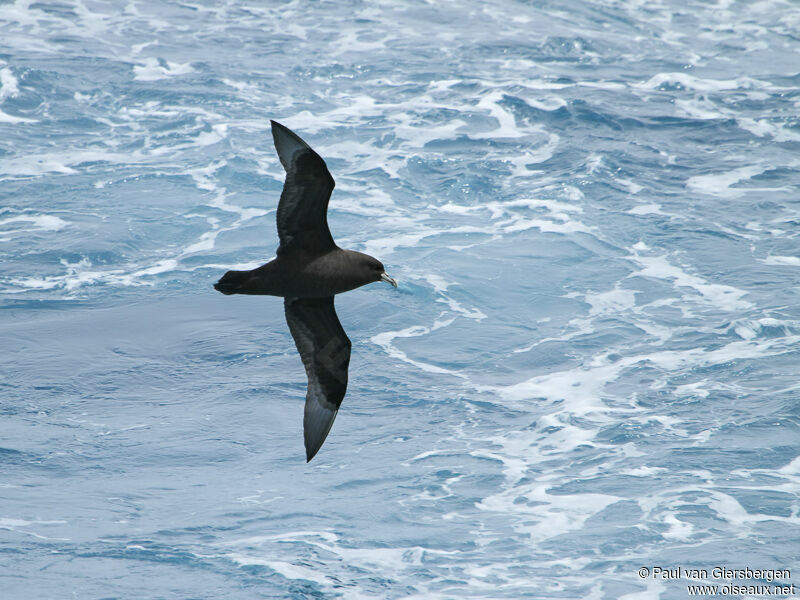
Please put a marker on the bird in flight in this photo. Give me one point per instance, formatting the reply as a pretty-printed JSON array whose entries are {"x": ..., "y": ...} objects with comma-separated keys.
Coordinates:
[{"x": 308, "y": 271}]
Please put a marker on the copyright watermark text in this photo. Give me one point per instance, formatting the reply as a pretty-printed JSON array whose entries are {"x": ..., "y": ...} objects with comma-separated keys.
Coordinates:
[{"x": 724, "y": 581}]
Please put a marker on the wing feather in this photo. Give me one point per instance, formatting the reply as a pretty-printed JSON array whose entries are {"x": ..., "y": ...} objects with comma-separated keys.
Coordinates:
[
  {"x": 303, "y": 207},
  {"x": 325, "y": 351}
]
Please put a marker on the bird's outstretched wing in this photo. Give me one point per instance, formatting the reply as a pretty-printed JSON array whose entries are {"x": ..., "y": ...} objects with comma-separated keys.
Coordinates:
[
  {"x": 325, "y": 350},
  {"x": 303, "y": 208}
]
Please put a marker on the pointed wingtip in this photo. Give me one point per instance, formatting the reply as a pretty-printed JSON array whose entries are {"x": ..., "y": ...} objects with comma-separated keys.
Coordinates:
[
  {"x": 287, "y": 143},
  {"x": 317, "y": 422}
]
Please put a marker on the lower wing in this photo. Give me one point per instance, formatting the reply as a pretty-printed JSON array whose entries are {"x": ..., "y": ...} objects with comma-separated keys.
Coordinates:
[{"x": 325, "y": 351}]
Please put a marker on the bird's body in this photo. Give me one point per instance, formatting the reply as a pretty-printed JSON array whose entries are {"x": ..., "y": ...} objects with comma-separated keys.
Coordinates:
[
  {"x": 308, "y": 271},
  {"x": 299, "y": 276}
]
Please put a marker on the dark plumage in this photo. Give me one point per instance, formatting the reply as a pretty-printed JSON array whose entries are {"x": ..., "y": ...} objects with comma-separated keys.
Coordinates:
[{"x": 308, "y": 271}]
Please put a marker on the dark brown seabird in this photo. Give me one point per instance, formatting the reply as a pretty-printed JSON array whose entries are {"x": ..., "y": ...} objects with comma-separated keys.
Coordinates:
[{"x": 308, "y": 270}]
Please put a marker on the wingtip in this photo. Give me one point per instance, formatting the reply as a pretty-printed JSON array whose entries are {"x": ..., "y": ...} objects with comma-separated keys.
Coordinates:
[
  {"x": 311, "y": 453},
  {"x": 317, "y": 423},
  {"x": 287, "y": 143}
]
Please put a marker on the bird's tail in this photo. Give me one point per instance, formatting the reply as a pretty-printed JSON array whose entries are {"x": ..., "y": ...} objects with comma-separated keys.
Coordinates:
[{"x": 232, "y": 282}]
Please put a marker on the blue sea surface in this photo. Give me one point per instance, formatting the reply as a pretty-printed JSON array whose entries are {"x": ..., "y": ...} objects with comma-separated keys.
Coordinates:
[{"x": 592, "y": 362}]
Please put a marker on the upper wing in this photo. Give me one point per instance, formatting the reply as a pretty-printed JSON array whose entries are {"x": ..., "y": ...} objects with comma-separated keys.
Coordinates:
[
  {"x": 303, "y": 208},
  {"x": 325, "y": 350}
]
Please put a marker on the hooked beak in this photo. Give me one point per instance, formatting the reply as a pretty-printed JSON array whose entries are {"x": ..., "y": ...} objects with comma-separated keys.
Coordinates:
[{"x": 387, "y": 279}]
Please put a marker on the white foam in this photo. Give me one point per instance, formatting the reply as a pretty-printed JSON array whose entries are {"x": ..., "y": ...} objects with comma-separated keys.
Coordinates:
[
  {"x": 60, "y": 162},
  {"x": 792, "y": 261},
  {"x": 349, "y": 42},
  {"x": 35, "y": 165},
  {"x": 131, "y": 115},
  {"x": 691, "y": 82},
  {"x": 136, "y": 49},
  {"x": 471, "y": 313},
  {"x": 6, "y": 118},
  {"x": 558, "y": 209},
  {"x": 386, "y": 245},
  {"x": 287, "y": 570},
  {"x": 22, "y": 526},
  {"x": 246, "y": 90},
  {"x": 695, "y": 390},
  {"x": 647, "y": 209},
  {"x": 633, "y": 187},
  {"x": 442, "y": 85},
  {"x": 612, "y": 301},
  {"x": 82, "y": 273},
  {"x": 9, "y": 85},
  {"x": 700, "y": 108},
  {"x": 644, "y": 471},
  {"x": 203, "y": 179},
  {"x": 507, "y": 126},
  {"x": 520, "y": 224},
  {"x": 9, "y": 88},
  {"x": 161, "y": 266},
  {"x": 763, "y": 127},
  {"x": 721, "y": 296},
  {"x": 719, "y": 184},
  {"x": 549, "y": 103},
  {"x": 792, "y": 468},
  {"x": 660, "y": 332},
  {"x": 537, "y": 155},
  {"x": 8, "y": 523},
  {"x": 423, "y": 133},
  {"x": 439, "y": 283},
  {"x": 579, "y": 327},
  {"x": 582, "y": 388},
  {"x": 364, "y": 156},
  {"x": 601, "y": 84},
  {"x": 672, "y": 360},
  {"x": 535, "y": 511},
  {"x": 545, "y": 84},
  {"x": 562, "y": 222},
  {"x": 746, "y": 330},
  {"x": 548, "y": 515},
  {"x": 729, "y": 509},
  {"x": 384, "y": 340},
  {"x": 206, "y": 138},
  {"x": 206, "y": 241},
  {"x": 39, "y": 223},
  {"x": 153, "y": 70},
  {"x": 302, "y": 535},
  {"x": 389, "y": 562}
]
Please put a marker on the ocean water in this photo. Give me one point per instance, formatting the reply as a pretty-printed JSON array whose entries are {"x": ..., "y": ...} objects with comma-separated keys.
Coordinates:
[{"x": 592, "y": 362}]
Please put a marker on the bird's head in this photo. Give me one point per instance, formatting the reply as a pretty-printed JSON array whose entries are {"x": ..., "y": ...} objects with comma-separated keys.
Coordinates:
[{"x": 375, "y": 270}]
